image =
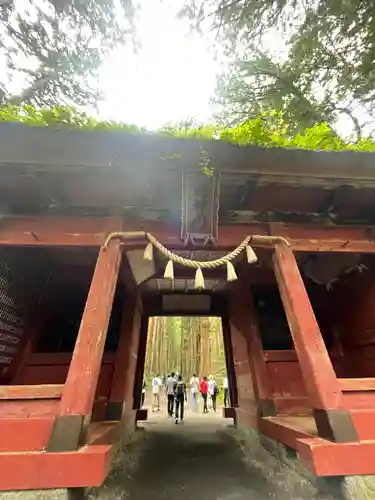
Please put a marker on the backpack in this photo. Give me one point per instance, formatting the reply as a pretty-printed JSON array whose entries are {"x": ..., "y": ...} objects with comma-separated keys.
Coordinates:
[{"x": 180, "y": 388}]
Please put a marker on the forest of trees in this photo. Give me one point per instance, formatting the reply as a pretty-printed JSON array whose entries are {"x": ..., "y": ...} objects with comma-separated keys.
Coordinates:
[{"x": 185, "y": 345}]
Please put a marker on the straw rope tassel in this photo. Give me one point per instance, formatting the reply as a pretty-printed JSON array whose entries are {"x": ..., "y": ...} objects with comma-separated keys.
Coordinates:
[
  {"x": 199, "y": 279},
  {"x": 149, "y": 252},
  {"x": 169, "y": 272},
  {"x": 231, "y": 272},
  {"x": 250, "y": 255}
]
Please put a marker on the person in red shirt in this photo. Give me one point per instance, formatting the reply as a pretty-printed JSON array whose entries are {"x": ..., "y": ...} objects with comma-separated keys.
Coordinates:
[{"x": 204, "y": 391}]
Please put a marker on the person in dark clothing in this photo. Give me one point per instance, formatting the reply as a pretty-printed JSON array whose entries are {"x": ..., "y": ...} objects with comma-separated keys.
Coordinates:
[
  {"x": 204, "y": 393},
  {"x": 180, "y": 399},
  {"x": 171, "y": 380},
  {"x": 215, "y": 392}
]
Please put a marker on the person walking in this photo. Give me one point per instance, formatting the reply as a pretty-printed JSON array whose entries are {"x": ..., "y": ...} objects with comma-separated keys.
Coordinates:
[
  {"x": 180, "y": 399},
  {"x": 204, "y": 391},
  {"x": 226, "y": 392},
  {"x": 211, "y": 386},
  {"x": 170, "y": 393},
  {"x": 213, "y": 391},
  {"x": 194, "y": 390},
  {"x": 156, "y": 388}
]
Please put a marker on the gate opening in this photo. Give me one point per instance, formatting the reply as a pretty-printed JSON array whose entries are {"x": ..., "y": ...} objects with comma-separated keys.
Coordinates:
[{"x": 190, "y": 349}]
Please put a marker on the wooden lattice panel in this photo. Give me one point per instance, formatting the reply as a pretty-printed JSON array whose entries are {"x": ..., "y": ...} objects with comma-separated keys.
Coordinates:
[{"x": 23, "y": 276}]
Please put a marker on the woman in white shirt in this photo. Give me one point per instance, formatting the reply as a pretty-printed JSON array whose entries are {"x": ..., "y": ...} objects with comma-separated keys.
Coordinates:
[
  {"x": 156, "y": 388},
  {"x": 194, "y": 391}
]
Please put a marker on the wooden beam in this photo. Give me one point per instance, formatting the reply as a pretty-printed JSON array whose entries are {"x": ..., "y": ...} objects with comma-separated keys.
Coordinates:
[
  {"x": 116, "y": 404},
  {"x": 255, "y": 350},
  {"x": 247, "y": 393},
  {"x": 44, "y": 391},
  {"x": 79, "y": 391},
  {"x": 320, "y": 379},
  {"x": 357, "y": 384},
  {"x": 91, "y": 231},
  {"x": 41, "y": 470},
  {"x": 323, "y": 388}
]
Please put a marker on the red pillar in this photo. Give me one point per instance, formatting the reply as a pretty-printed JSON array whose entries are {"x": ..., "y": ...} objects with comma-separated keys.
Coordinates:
[
  {"x": 77, "y": 400},
  {"x": 120, "y": 401},
  {"x": 332, "y": 419},
  {"x": 254, "y": 397}
]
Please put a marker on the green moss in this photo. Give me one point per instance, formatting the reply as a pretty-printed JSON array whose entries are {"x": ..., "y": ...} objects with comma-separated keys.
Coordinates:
[{"x": 268, "y": 130}]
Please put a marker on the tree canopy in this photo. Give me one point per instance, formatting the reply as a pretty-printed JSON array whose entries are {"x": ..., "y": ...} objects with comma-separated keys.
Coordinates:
[
  {"x": 54, "y": 47},
  {"x": 326, "y": 71}
]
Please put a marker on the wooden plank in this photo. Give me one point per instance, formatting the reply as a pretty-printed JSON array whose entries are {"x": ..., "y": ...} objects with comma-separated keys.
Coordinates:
[
  {"x": 320, "y": 379},
  {"x": 357, "y": 384},
  {"x": 40, "y": 470},
  {"x": 79, "y": 390},
  {"x": 282, "y": 432},
  {"x": 44, "y": 391}
]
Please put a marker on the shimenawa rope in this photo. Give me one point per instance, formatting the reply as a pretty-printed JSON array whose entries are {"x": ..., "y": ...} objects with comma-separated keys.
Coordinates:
[{"x": 196, "y": 264}]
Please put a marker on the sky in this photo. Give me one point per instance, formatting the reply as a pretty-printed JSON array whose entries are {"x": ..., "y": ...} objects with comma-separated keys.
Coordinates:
[{"x": 172, "y": 78}]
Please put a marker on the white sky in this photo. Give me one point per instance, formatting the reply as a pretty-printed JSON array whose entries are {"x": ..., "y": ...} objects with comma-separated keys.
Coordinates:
[{"x": 172, "y": 78}]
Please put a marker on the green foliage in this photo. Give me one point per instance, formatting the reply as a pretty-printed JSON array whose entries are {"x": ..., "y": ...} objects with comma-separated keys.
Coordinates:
[
  {"x": 60, "y": 117},
  {"x": 312, "y": 59},
  {"x": 267, "y": 130}
]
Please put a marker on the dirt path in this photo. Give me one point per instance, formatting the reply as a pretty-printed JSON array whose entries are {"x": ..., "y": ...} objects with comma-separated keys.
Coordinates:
[{"x": 198, "y": 460}]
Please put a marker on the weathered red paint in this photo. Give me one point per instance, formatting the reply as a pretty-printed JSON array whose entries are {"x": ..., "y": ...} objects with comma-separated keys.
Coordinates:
[
  {"x": 24, "y": 434},
  {"x": 40, "y": 470},
  {"x": 82, "y": 378},
  {"x": 363, "y": 421},
  {"x": 320, "y": 379},
  {"x": 359, "y": 400},
  {"x": 46, "y": 391},
  {"x": 239, "y": 325},
  {"x": 283, "y": 432},
  {"x": 87, "y": 231},
  {"x": 332, "y": 459},
  {"x": 27, "y": 408},
  {"x": 119, "y": 381}
]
